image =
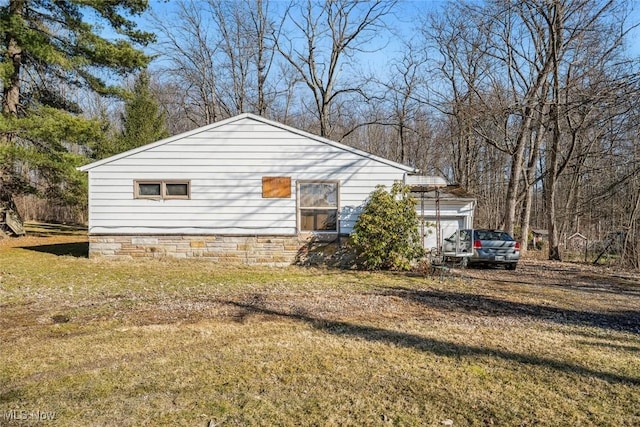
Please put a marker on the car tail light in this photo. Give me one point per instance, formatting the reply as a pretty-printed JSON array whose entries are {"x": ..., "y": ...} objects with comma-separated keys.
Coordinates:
[
  {"x": 517, "y": 247},
  {"x": 477, "y": 244}
]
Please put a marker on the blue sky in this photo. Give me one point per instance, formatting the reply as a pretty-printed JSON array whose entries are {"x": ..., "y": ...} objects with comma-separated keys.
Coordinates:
[
  {"x": 406, "y": 12},
  {"x": 402, "y": 21}
]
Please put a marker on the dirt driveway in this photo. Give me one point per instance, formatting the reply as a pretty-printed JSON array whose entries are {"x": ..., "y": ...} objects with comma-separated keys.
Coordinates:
[
  {"x": 544, "y": 272},
  {"x": 565, "y": 292}
]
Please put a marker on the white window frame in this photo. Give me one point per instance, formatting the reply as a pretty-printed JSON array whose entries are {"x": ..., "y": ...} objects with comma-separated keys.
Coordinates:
[{"x": 300, "y": 208}]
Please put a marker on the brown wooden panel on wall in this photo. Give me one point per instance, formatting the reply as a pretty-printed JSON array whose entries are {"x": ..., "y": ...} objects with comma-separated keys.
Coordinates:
[{"x": 276, "y": 187}]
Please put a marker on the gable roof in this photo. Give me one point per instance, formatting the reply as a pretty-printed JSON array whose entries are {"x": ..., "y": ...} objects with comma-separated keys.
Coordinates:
[{"x": 239, "y": 117}]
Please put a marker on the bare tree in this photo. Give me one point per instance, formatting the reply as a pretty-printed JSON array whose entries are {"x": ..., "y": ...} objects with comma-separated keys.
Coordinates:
[
  {"x": 264, "y": 53},
  {"x": 404, "y": 108},
  {"x": 220, "y": 56},
  {"x": 459, "y": 69},
  {"x": 327, "y": 36},
  {"x": 187, "y": 49},
  {"x": 531, "y": 174},
  {"x": 394, "y": 120},
  {"x": 247, "y": 54},
  {"x": 586, "y": 40},
  {"x": 526, "y": 79}
]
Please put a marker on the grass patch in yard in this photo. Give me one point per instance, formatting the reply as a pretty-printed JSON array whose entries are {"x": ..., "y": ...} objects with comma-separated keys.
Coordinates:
[{"x": 164, "y": 342}]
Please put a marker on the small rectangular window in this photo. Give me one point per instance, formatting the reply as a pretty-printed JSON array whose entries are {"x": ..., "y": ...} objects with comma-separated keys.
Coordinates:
[
  {"x": 177, "y": 189},
  {"x": 149, "y": 189},
  {"x": 159, "y": 190}
]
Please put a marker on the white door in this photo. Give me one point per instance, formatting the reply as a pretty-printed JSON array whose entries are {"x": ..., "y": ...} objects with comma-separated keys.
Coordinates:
[{"x": 448, "y": 226}]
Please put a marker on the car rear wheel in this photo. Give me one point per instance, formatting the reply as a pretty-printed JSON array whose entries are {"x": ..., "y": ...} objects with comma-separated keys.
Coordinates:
[{"x": 511, "y": 266}]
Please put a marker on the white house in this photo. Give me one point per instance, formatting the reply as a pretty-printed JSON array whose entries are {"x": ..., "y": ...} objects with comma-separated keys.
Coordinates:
[{"x": 245, "y": 189}]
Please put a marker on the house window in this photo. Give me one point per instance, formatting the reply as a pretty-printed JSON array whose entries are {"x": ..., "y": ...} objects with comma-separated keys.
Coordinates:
[
  {"x": 162, "y": 190},
  {"x": 178, "y": 190},
  {"x": 318, "y": 205},
  {"x": 149, "y": 189}
]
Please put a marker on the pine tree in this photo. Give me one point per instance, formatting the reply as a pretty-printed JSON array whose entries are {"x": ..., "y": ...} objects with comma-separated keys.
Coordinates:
[
  {"x": 143, "y": 121},
  {"x": 49, "y": 52}
]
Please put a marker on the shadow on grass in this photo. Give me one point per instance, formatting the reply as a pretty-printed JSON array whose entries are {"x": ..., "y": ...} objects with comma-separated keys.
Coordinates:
[
  {"x": 617, "y": 347},
  {"x": 430, "y": 345},
  {"x": 572, "y": 278},
  {"x": 78, "y": 250},
  {"x": 626, "y": 321},
  {"x": 45, "y": 229}
]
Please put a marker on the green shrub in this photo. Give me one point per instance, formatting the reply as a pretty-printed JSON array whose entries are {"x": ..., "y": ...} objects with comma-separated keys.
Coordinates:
[{"x": 386, "y": 234}]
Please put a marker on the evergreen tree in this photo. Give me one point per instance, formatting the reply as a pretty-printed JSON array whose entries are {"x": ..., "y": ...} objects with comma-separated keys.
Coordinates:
[
  {"x": 143, "y": 121},
  {"x": 386, "y": 233},
  {"x": 49, "y": 52}
]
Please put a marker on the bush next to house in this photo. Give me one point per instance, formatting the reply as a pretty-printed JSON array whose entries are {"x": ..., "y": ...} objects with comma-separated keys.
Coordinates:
[{"x": 386, "y": 234}]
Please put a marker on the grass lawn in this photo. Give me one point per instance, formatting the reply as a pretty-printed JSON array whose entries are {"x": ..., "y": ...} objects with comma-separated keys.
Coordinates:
[{"x": 192, "y": 343}]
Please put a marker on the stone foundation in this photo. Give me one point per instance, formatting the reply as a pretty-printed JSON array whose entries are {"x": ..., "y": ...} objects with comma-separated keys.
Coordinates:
[{"x": 267, "y": 250}]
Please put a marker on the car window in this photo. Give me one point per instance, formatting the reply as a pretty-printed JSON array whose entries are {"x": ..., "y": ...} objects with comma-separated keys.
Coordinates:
[
  {"x": 492, "y": 235},
  {"x": 482, "y": 235},
  {"x": 464, "y": 236}
]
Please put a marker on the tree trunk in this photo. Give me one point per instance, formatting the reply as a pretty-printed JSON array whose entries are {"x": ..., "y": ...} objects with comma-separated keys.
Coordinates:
[
  {"x": 260, "y": 21},
  {"x": 514, "y": 177},
  {"x": 631, "y": 247},
  {"x": 550, "y": 201},
  {"x": 517, "y": 161},
  {"x": 534, "y": 156},
  {"x": 552, "y": 175},
  {"x": 11, "y": 92},
  {"x": 10, "y": 104}
]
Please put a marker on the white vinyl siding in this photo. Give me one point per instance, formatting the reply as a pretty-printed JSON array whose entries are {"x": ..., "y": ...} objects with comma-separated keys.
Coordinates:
[{"x": 224, "y": 166}]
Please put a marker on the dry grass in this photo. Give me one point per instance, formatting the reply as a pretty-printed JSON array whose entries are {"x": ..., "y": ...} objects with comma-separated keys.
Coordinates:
[{"x": 189, "y": 343}]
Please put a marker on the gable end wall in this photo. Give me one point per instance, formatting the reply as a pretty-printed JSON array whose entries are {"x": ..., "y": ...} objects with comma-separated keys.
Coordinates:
[{"x": 225, "y": 166}]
